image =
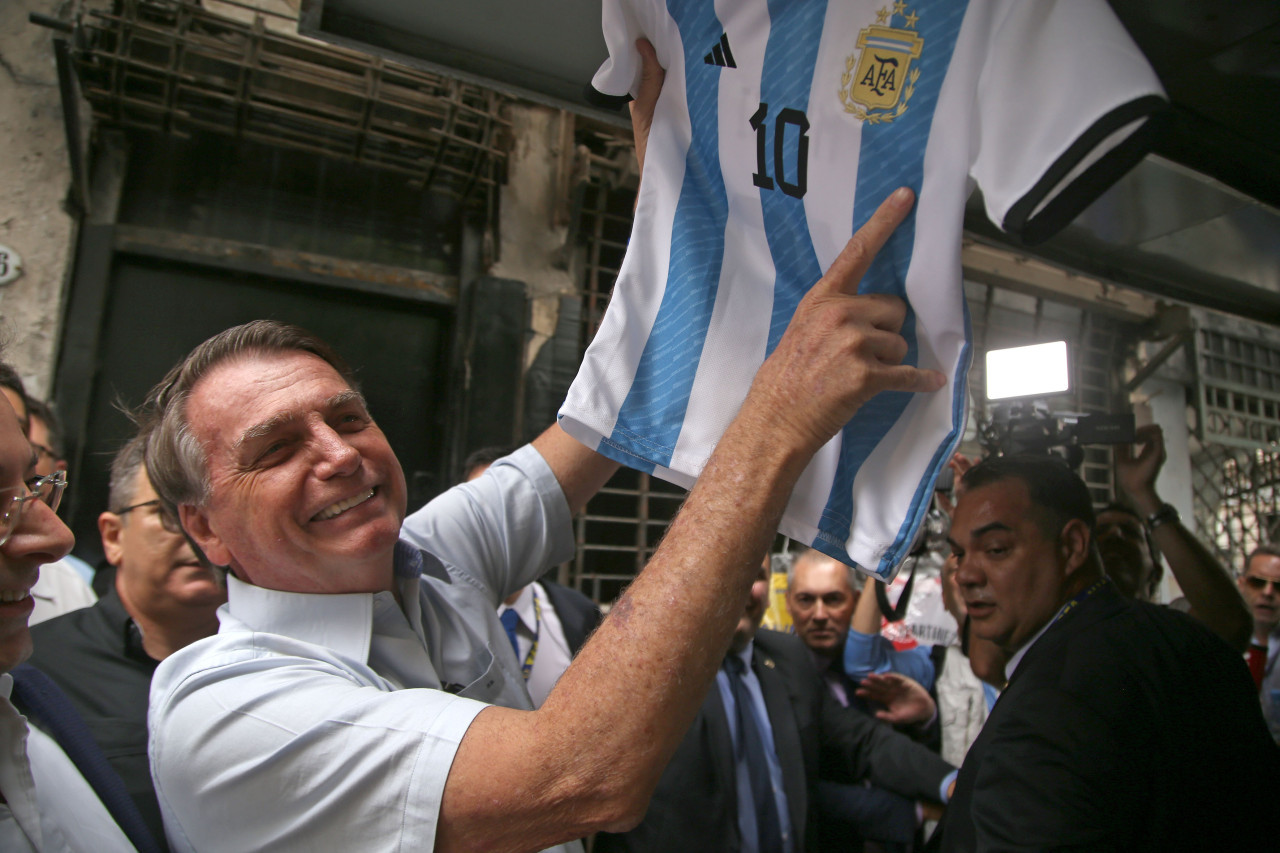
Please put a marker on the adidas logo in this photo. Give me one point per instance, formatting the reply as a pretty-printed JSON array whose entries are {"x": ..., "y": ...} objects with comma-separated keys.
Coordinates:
[{"x": 720, "y": 54}]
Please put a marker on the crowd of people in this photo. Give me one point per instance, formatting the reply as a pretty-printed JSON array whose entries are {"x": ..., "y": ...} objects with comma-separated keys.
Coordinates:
[{"x": 284, "y": 657}]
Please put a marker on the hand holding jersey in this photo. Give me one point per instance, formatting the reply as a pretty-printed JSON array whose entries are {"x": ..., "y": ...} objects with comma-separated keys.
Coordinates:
[{"x": 652, "y": 76}]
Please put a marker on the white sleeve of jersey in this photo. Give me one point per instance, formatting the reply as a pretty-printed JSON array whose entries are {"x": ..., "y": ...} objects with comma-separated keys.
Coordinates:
[
  {"x": 620, "y": 73},
  {"x": 1063, "y": 86}
]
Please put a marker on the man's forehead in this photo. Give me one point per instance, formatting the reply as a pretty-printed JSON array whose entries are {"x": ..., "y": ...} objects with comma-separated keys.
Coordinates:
[
  {"x": 240, "y": 388},
  {"x": 1006, "y": 501},
  {"x": 1265, "y": 565},
  {"x": 1118, "y": 518},
  {"x": 820, "y": 575},
  {"x": 15, "y": 401}
]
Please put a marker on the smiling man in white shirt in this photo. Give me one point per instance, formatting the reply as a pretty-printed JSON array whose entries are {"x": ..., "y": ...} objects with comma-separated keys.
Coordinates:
[{"x": 361, "y": 692}]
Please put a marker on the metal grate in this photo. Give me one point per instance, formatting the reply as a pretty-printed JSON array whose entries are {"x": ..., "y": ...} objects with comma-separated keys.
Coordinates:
[
  {"x": 619, "y": 532},
  {"x": 1238, "y": 389},
  {"x": 172, "y": 66},
  {"x": 1235, "y": 499}
]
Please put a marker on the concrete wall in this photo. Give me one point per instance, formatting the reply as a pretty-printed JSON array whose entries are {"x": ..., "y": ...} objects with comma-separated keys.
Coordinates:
[
  {"x": 34, "y": 177},
  {"x": 530, "y": 242}
]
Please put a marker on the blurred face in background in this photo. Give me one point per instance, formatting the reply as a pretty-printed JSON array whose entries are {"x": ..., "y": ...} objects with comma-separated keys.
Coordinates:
[
  {"x": 821, "y": 603},
  {"x": 1260, "y": 586},
  {"x": 156, "y": 570},
  {"x": 46, "y": 460}
]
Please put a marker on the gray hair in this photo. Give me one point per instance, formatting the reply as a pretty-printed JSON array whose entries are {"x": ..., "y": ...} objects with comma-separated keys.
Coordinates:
[
  {"x": 855, "y": 577},
  {"x": 124, "y": 473},
  {"x": 176, "y": 461}
]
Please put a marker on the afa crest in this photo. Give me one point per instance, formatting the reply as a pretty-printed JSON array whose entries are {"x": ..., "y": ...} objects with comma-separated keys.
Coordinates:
[{"x": 878, "y": 81}]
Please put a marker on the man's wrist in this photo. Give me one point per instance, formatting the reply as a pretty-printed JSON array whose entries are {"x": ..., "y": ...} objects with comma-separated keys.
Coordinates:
[{"x": 1166, "y": 514}]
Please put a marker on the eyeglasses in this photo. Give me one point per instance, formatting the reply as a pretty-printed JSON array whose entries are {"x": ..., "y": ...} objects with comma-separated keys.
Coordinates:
[
  {"x": 166, "y": 520},
  {"x": 1258, "y": 584},
  {"x": 13, "y": 503}
]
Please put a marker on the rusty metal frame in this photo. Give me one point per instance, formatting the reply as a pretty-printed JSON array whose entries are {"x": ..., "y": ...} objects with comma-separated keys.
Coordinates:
[{"x": 175, "y": 67}]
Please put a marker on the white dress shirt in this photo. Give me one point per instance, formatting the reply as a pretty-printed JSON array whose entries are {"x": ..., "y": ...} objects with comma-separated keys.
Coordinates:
[
  {"x": 330, "y": 722},
  {"x": 48, "y": 804},
  {"x": 542, "y": 623}
]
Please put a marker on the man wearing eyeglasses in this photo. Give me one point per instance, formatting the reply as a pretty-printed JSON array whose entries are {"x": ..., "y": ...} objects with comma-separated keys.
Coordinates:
[
  {"x": 45, "y": 801},
  {"x": 61, "y": 588},
  {"x": 162, "y": 600},
  {"x": 1260, "y": 585}
]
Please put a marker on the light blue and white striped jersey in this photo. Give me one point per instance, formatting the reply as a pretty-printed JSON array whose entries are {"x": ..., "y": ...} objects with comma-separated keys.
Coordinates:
[{"x": 781, "y": 127}]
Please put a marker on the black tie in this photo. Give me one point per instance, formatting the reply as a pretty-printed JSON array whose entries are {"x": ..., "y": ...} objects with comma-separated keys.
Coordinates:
[{"x": 750, "y": 748}]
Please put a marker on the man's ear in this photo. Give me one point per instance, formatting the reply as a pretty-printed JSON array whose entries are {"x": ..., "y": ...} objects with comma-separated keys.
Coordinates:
[
  {"x": 195, "y": 521},
  {"x": 111, "y": 528},
  {"x": 1075, "y": 544}
]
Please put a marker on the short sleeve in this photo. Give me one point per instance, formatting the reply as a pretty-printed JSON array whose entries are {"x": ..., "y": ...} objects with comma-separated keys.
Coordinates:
[
  {"x": 1064, "y": 107},
  {"x": 619, "y": 76},
  {"x": 503, "y": 529},
  {"x": 361, "y": 768}
]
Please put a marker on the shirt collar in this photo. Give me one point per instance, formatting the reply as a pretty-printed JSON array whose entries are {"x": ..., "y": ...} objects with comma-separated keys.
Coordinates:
[
  {"x": 126, "y": 629},
  {"x": 523, "y": 606},
  {"x": 342, "y": 622},
  {"x": 1022, "y": 652},
  {"x": 6, "y": 685},
  {"x": 745, "y": 654},
  {"x": 407, "y": 561}
]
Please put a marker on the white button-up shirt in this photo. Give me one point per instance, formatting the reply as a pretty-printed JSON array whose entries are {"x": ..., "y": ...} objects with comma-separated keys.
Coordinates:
[
  {"x": 329, "y": 722},
  {"x": 49, "y": 806}
]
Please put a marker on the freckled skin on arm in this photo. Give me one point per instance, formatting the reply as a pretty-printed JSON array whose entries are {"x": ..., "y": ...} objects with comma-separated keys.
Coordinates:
[{"x": 590, "y": 757}]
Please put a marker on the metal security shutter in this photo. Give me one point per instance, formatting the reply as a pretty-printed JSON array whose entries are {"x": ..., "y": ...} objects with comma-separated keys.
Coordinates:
[
  {"x": 624, "y": 523},
  {"x": 1236, "y": 468}
]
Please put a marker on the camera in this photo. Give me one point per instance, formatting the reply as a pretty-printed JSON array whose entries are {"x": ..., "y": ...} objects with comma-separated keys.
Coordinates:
[{"x": 1019, "y": 379}]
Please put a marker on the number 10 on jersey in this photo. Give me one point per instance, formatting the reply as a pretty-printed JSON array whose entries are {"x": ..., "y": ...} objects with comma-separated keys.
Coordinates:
[{"x": 788, "y": 121}]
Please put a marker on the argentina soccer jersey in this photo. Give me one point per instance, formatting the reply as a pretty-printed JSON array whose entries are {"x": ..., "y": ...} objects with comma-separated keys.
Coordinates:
[{"x": 781, "y": 126}]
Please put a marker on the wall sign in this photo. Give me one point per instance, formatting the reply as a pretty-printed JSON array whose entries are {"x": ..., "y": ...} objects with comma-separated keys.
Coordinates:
[{"x": 10, "y": 265}]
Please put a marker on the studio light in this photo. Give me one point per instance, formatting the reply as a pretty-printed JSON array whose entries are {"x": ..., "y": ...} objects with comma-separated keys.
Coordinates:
[{"x": 1034, "y": 371}]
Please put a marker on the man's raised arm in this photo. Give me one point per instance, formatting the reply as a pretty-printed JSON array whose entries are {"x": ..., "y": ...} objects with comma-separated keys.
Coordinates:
[{"x": 590, "y": 757}]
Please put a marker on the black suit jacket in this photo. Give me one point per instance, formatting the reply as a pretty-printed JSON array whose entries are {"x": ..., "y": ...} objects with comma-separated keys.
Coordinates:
[
  {"x": 695, "y": 805},
  {"x": 578, "y": 614},
  {"x": 1127, "y": 726}
]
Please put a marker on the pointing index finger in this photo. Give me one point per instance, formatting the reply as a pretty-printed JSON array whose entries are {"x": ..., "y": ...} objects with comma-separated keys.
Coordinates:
[{"x": 861, "y": 250}]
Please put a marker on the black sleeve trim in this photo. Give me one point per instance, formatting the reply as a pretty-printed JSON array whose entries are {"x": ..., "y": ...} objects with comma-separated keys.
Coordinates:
[
  {"x": 1095, "y": 180},
  {"x": 599, "y": 99}
]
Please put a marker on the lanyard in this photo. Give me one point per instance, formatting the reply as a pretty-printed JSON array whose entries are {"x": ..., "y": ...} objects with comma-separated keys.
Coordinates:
[
  {"x": 1081, "y": 596},
  {"x": 527, "y": 666}
]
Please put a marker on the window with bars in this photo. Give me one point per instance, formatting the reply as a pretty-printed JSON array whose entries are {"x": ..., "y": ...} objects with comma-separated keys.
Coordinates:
[
  {"x": 1236, "y": 465},
  {"x": 1236, "y": 500}
]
